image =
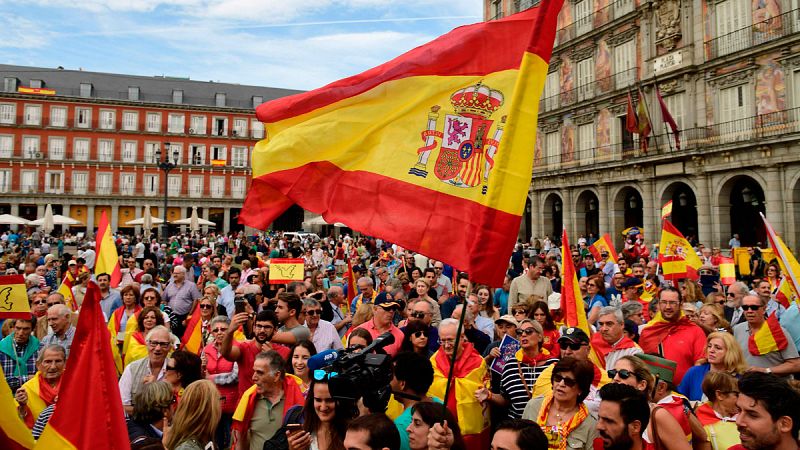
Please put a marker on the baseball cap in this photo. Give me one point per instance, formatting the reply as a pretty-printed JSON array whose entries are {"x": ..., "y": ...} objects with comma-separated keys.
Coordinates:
[
  {"x": 330, "y": 268},
  {"x": 385, "y": 300},
  {"x": 632, "y": 282},
  {"x": 575, "y": 335},
  {"x": 509, "y": 319},
  {"x": 358, "y": 268},
  {"x": 72, "y": 262},
  {"x": 554, "y": 301}
]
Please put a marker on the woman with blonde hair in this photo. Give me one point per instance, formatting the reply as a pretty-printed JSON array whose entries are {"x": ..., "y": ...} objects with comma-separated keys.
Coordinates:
[
  {"x": 723, "y": 354},
  {"x": 718, "y": 415},
  {"x": 711, "y": 318},
  {"x": 195, "y": 419},
  {"x": 363, "y": 314},
  {"x": 692, "y": 293}
]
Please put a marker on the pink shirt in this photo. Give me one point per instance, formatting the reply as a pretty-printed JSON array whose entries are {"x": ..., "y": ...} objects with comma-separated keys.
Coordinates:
[{"x": 390, "y": 349}]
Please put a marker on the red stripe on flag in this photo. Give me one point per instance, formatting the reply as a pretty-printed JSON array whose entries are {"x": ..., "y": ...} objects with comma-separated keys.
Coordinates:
[{"x": 406, "y": 214}]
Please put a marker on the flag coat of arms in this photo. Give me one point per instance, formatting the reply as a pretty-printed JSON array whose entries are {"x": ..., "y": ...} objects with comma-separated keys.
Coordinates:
[
  {"x": 436, "y": 144},
  {"x": 677, "y": 257}
]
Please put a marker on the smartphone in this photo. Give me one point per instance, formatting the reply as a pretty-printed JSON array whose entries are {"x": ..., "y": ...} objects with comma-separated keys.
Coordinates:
[
  {"x": 294, "y": 427},
  {"x": 240, "y": 305}
]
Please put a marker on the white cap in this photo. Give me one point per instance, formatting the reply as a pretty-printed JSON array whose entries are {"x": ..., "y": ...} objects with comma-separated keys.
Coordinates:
[{"x": 554, "y": 301}]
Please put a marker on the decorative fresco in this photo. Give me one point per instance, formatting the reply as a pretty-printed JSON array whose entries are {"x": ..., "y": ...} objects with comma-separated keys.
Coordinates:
[
  {"x": 603, "y": 136},
  {"x": 770, "y": 89},
  {"x": 565, "y": 26},
  {"x": 568, "y": 140},
  {"x": 567, "y": 77},
  {"x": 538, "y": 149},
  {"x": 601, "y": 13},
  {"x": 602, "y": 69}
]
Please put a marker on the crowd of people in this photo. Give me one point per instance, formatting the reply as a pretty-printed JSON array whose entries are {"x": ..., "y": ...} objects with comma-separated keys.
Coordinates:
[{"x": 212, "y": 355}]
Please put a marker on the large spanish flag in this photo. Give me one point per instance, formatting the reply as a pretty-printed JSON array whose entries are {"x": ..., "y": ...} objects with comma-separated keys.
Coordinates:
[
  {"x": 677, "y": 257},
  {"x": 787, "y": 261},
  {"x": 88, "y": 388},
  {"x": 411, "y": 150},
  {"x": 604, "y": 244},
  {"x": 107, "y": 256},
  {"x": 14, "y": 434},
  {"x": 572, "y": 305}
]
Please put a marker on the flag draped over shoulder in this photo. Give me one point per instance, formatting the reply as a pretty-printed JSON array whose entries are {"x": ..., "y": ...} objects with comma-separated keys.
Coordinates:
[
  {"x": 14, "y": 434},
  {"x": 14, "y": 298},
  {"x": 787, "y": 261},
  {"x": 88, "y": 388},
  {"x": 769, "y": 338},
  {"x": 604, "y": 244},
  {"x": 420, "y": 136},
  {"x": 107, "y": 257},
  {"x": 677, "y": 257},
  {"x": 572, "y": 305},
  {"x": 658, "y": 328}
]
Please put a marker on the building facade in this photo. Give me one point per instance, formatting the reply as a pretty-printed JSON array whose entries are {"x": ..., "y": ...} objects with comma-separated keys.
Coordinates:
[
  {"x": 728, "y": 72},
  {"x": 88, "y": 142}
]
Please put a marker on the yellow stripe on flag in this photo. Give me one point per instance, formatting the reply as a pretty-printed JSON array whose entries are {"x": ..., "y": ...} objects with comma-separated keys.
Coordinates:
[
  {"x": 14, "y": 434},
  {"x": 14, "y": 298},
  {"x": 666, "y": 210}
]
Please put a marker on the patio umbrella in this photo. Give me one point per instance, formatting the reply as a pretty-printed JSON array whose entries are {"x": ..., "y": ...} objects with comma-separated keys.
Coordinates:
[
  {"x": 8, "y": 219},
  {"x": 58, "y": 219},
  {"x": 48, "y": 226},
  {"x": 194, "y": 221},
  {"x": 141, "y": 222},
  {"x": 200, "y": 222},
  {"x": 148, "y": 219}
]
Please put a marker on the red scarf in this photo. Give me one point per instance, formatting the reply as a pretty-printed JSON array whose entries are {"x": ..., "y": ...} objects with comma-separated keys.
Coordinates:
[
  {"x": 542, "y": 356},
  {"x": 658, "y": 329},
  {"x": 602, "y": 348},
  {"x": 46, "y": 392}
]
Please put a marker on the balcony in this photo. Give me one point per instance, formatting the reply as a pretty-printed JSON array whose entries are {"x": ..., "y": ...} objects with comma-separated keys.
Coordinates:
[
  {"x": 759, "y": 33},
  {"x": 597, "y": 19},
  {"x": 18, "y": 187},
  {"x": 618, "y": 81}
]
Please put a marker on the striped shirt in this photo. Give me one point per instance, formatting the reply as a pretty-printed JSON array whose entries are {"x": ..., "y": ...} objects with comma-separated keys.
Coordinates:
[{"x": 512, "y": 387}]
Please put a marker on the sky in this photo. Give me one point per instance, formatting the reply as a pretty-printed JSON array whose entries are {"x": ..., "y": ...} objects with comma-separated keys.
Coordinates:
[{"x": 296, "y": 44}]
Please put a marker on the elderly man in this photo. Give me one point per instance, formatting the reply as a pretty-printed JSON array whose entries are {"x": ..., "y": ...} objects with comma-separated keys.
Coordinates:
[
  {"x": 531, "y": 283},
  {"x": 59, "y": 317},
  {"x": 110, "y": 299},
  {"x": 342, "y": 318},
  {"x": 41, "y": 391},
  {"x": 469, "y": 372},
  {"x": 365, "y": 287},
  {"x": 383, "y": 312},
  {"x": 145, "y": 370},
  {"x": 781, "y": 358},
  {"x": 323, "y": 333},
  {"x": 733, "y": 305},
  {"x": 764, "y": 292},
  {"x": 609, "y": 343},
  {"x": 18, "y": 353},
  {"x": 180, "y": 295},
  {"x": 264, "y": 405},
  {"x": 129, "y": 272}
]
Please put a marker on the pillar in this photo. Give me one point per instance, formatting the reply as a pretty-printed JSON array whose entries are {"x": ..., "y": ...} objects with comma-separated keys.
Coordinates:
[
  {"x": 205, "y": 216},
  {"x": 89, "y": 220},
  {"x": 65, "y": 212},
  {"x": 40, "y": 211},
  {"x": 650, "y": 213},
  {"x": 15, "y": 212},
  {"x": 114, "y": 217},
  {"x": 705, "y": 220},
  {"x": 774, "y": 201},
  {"x": 568, "y": 214},
  {"x": 604, "y": 207},
  {"x": 226, "y": 220}
]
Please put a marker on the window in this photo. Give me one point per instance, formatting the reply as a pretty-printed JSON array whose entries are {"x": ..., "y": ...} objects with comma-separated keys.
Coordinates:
[
  {"x": 220, "y": 126},
  {"x": 176, "y": 123},
  {"x": 257, "y": 129},
  {"x": 198, "y": 125},
  {"x": 586, "y": 143},
  {"x": 30, "y": 147},
  {"x": 173, "y": 150},
  {"x": 585, "y": 78},
  {"x": 257, "y": 100},
  {"x": 196, "y": 187},
  {"x": 675, "y": 107},
  {"x": 217, "y": 187},
  {"x": 8, "y": 111},
  {"x": 583, "y": 16},
  {"x": 219, "y": 100},
  {"x": 197, "y": 154},
  {"x": 622, "y": 7},
  {"x": 37, "y": 84},
  {"x": 552, "y": 148},
  {"x": 105, "y": 150},
  {"x": 133, "y": 93},
  {"x": 56, "y": 147},
  {"x": 33, "y": 114},
  {"x": 731, "y": 15},
  {"x": 734, "y": 105},
  {"x": 240, "y": 127},
  {"x": 29, "y": 178},
  {"x": 79, "y": 182},
  {"x": 239, "y": 156},
  {"x": 5, "y": 181},
  {"x": 83, "y": 117},
  {"x": 103, "y": 182},
  {"x": 86, "y": 90},
  {"x": 10, "y": 84},
  {"x": 625, "y": 64},
  {"x": 238, "y": 187},
  {"x": 129, "y": 151},
  {"x": 150, "y": 152},
  {"x": 6, "y": 146},
  {"x": 177, "y": 96},
  {"x": 174, "y": 183},
  {"x": 58, "y": 116},
  {"x": 622, "y": 136},
  {"x": 54, "y": 182},
  {"x": 150, "y": 184},
  {"x": 127, "y": 183},
  {"x": 130, "y": 120},
  {"x": 796, "y": 86},
  {"x": 219, "y": 153},
  {"x": 153, "y": 122},
  {"x": 551, "y": 89},
  {"x": 80, "y": 150},
  {"x": 107, "y": 119}
]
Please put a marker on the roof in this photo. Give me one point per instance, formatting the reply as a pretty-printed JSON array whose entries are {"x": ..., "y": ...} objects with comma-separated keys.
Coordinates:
[{"x": 157, "y": 89}]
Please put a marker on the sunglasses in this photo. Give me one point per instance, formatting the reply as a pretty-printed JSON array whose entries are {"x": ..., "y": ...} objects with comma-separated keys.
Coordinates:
[
  {"x": 751, "y": 307},
  {"x": 731, "y": 294},
  {"x": 572, "y": 346},
  {"x": 519, "y": 311},
  {"x": 569, "y": 382},
  {"x": 526, "y": 331},
  {"x": 170, "y": 367},
  {"x": 356, "y": 347},
  {"x": 624, "y": 374},
  {"x": 219, "y": 330},
  {"x": 206, "y": 306},
  {"x": 313, "y": 312},
  {"x": 417, "y": 314},
  {"x": 40, "y": 302},
  {"x": 419, "y": 334}
]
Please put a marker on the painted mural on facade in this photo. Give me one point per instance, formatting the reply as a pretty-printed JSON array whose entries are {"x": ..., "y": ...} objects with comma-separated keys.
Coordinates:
[
  {"x": 602, "y": 68},
  {"x": 538, "y": 148},
  {"x": 766, "y": 19},
  {"x": 603, "y": 133},
  {"x": 567, "y": 77},
  {"x": 564, "y": 26},
  {"x": 601, "y": 12},
  {"x": 770, "y": 90},
  {"x": 568, "y": 140}
]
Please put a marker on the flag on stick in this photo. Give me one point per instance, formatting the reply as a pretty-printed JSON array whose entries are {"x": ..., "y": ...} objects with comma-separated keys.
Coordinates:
[
  {"x": 459, "y": 94},
  {"x": 643, "y": 119},
  {"x": 666, "y": 210},
  {"x": 677, "y": 257},
  {"x": 667, "y": 117},
  {"x": 107, "y": 256},
  {"x": 785, "y": 296},
  {"x": 604, "y": 244},
  {"x": 65, "y": 289},
  {"x": 192, "y": 340},
  {"x": 14, "y": 298},
  {"x": 727, "y": 271},
  {"x": 631, "y": 123},
  {"x": 571, "y": 299},
  {"x": 787, "y": 261}
]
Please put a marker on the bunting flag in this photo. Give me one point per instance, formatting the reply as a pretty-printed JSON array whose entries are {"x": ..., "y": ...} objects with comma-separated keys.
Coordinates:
[
  {"x": 286, "y": 270},
  {"x": 459, "y": 94},
  {"x": 667, "y": 117},
  {"x": 572, "y": 305},
  {"x": 14, "y": 298},
  {"x": 789, "y": 265},
  {"x": 727, "y": 271},
  {"x": 769, "y": 338},
  {"x": 65, "y": 289},
  {"x": 678, "y": 259},
  {"x": 107, "y": 257},
  {"x": 631, "y": 123},
  {"x": 604, "y": 244},
  {"x": 192, "y": 340},
  {"x": 14, "y": 434},
  {"x": 88, "y": 388},
  {"x": 643, "y": 119},
  {"x": 666, "y": 210}
]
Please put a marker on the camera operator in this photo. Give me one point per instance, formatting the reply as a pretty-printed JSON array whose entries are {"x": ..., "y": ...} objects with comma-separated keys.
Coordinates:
[{"x": 413, "y": 376}]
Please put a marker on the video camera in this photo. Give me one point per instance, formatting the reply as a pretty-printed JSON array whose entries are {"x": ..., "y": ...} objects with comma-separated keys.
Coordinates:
[{"x": 353, "y": 375}]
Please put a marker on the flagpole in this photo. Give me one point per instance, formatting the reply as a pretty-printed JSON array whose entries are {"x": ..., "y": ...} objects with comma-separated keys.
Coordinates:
[
  {"x": 663, "y": 122},
  {"x": 649, "y": 114}
]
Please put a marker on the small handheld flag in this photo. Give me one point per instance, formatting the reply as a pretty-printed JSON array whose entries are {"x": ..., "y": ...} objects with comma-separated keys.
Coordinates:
[
  {"x": 286, "y": 270},
  {"x": 13, "y": 298},
  {"x": 666, "y": 210}
]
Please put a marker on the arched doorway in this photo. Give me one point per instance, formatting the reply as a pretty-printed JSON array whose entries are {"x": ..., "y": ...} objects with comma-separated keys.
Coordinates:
[
  {"x": 588, "y": 214},
  {"x": 743, "y": 197},
  {"x": 628, "y": 211},
  {"x": 553, "y": 216},
  {"x": 684, "y": 209}
]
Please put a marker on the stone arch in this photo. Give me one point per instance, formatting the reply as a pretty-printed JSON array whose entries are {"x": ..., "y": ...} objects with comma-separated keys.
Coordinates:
[
  {"x": 553, "y": 214},
  {"x": 741, "y": 198},
  {"x": 684, "y": 208},
  {"x": 587, "y": 213},
  {"x": 628, "y": 207}
]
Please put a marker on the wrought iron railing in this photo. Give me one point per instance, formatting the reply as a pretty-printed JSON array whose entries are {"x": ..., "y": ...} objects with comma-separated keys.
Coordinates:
[
  {"x": 596, "y": 19},
  {"x": 758, "y": 33},
  {"x": 617, "y": 81}
]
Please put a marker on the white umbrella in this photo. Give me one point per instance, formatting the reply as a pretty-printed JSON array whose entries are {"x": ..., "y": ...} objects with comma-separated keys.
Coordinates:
[
  {"x": 58, "y": 219},
  {"x": 200, "y": 222},
  {"x": 141, "y": 221},
  {"x": 48, "y": 226},
  {"x": 8, "y": 219},
  {"x": 194, "y": 221}
]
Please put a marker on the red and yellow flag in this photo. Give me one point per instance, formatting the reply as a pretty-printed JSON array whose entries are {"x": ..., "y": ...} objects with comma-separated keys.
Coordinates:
[
  {"x": 643, "y": 120},
  {"x": 787, "y": 261},
  {"x": 14, "y": 298},
  {"x": 192, "y": 340},
  {"x": 451, "y": 193},
  {"x": 678, "y": 259},
  {"x": 769, "y": 338},
  {"x": 727, "y": 271},
  {"x": 14, "y": 434},
  {"x": 88, "y": 387},
  {"x": 351, "y": 285},
  {"x": 107, "y": 256},
  {"x": 286, "y": 270},
  {"x": 604, "y": 244},
  {"x": 572, "y": 305},
  {"x": 785, "y": 295},
  {"x": 65, "y": 289},
  {"x": 666, "y": 210}
]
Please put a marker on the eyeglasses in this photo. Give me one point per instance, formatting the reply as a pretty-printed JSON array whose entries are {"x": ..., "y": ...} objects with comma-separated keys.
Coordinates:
[
  {"x": 574, "y": 346},
  {"x": 219, "y": 330},
  {"x": 321, "y": 375},
  {"x": 419, "y": 334},
  {"x": 444, "y": 342},
  {"x": 159, "y": 344},
  {"x": 569, "y": 382},
  {"x": 624, "y": 374},
  {"x": 519, "y": 311},
  {"x": 418, "y": 314},
  {"x": 206, "y": 307},
  {"x": 40, "y": 302},
  {"x": 313, "y": 312},
  {"x": 526, "y": 331},
  {"x": 751, "y": 307}
]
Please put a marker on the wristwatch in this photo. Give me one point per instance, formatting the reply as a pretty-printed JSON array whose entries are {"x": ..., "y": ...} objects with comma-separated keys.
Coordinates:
[{"x": 769, "y": 370}]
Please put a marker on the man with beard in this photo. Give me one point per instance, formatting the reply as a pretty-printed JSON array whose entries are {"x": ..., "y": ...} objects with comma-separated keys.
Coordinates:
[
  {"x": 769, "y": 417},
  {"x": 244, "y": 353},
  {"x": 623, "y": 417}
]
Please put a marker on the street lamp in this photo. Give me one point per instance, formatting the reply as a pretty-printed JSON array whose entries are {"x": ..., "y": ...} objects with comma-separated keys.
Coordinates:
[{"x": 166, "y": 165}]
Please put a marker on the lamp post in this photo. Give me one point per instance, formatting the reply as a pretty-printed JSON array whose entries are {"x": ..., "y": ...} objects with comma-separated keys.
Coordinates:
[{"x": 166, "y": 165}]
